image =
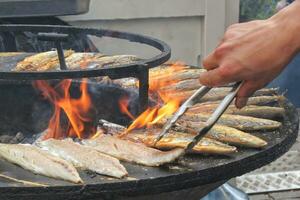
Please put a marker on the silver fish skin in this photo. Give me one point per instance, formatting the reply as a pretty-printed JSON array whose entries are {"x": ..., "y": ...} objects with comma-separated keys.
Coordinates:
[
  {"x": 189, "y": 84},
  {"x": 44, "y": 61},
  {"x": 181, "y": 140},
  {"x": 132, "y": 152},
  {"x": 217, "y": 94},
  {"x": 181, "y": 75},
  {"x": 258, "y": 100},
  {"x": 222, "y": 133},
  {"x": 266, "y": 112},
  {"x": 39, "y": 162},
  {"x": 244, "y": 123},
  {"x": 84, "y": 157}
]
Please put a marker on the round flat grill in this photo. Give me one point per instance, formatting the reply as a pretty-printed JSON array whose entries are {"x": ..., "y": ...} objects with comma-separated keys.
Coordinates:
[{"x": 191, "y": 171}]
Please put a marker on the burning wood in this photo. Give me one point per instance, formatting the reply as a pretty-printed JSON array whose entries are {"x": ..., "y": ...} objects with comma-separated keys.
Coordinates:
[{"x": 79, "y": 111}]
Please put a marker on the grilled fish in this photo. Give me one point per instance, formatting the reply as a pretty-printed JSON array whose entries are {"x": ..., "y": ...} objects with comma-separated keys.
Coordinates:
[
  {"x": 8, "y": 54},
  {"x": 112, "y": 61},
  {"x": 265, "y": 100},
  {"x": 79, "y": 60},
  {"x": 244, "y": 123},
  {"x": 258, "y": 100},
  {"x": 222, "y": 133},
  {"x": 84, "y": 157},
  {"x": 131, "y": 152},
  {"x": 190, "y": 84},
  {"x": 39, "y": 162},
  {"x": 181, "y": 75},
  {"x": 181, "y": 140},
  {"x": 216, "y": 94},
  {"x": 127, "y": 82},
  {"x": 266, "y": 112},
  {"x": 41, "y": 61},
  {"x": 167, "y": 69}
]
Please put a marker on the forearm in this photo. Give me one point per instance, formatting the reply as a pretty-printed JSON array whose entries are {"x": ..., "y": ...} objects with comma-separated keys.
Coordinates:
[{"x": 288, "y": 21}]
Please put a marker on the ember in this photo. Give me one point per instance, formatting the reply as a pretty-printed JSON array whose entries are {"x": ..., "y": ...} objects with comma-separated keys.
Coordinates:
[{"x": 78, "y": 110}]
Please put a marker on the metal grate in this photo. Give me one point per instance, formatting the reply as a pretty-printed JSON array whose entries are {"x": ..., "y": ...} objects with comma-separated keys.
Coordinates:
[{"x": 283, "y": 174}]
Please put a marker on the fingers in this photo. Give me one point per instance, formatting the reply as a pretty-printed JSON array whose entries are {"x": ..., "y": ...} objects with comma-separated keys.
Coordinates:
[
  {"x": 210, "y": 62},
  {"x": 247, "y": 89},
  {"x": 221, "y": 76}
]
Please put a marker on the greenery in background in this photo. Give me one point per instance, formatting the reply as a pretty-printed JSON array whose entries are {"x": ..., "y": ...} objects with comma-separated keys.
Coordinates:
[{"x": 256, "y": 9}]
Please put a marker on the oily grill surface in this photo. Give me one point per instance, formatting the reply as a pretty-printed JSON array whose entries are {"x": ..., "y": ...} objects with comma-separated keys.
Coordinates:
[{"x": 191, "y": 171}]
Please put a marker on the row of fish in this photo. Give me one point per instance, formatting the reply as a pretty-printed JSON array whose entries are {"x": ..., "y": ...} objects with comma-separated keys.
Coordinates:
[
  {"x": 48, "y": 61},
  {"x": 60, "y": 158},
  {"x": 102, "y": 153}
]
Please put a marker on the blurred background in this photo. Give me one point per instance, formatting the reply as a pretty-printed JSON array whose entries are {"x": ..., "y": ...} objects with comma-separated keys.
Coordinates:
[
  {"x": 289, "y": 80},
  {"x": 192, "y": 28}
]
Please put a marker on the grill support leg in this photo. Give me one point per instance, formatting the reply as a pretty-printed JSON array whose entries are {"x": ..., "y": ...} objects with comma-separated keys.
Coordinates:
[
  {"x": 57, "y": 38},
  {"x": 61, "y": 56},
  {"x": 143, "y": 89}
]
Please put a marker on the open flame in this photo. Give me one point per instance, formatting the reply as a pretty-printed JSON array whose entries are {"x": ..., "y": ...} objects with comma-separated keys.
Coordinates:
[
  {"x": 78, "y": 110},
  {"x": 165, "y": 107},
  {"x": 123, "y": 105}
]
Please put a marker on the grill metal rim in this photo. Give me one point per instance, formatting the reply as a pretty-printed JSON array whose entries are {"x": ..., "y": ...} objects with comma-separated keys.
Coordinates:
[{"x": 119, "y": 71}]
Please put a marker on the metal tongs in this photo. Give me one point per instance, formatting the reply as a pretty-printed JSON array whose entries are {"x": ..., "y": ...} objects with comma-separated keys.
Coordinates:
[{"x": 209, "y": 123}]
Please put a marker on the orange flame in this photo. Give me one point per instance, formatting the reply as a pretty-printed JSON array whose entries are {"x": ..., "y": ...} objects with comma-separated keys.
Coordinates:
[
  {"x": 77, "y": 110},
  {"x": 158, "y": 79},
  {"x": 123, "y": 104}
]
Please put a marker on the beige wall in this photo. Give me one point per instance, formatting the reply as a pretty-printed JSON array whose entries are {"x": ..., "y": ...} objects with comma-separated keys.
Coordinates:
[{"x": 191, "y": 27}]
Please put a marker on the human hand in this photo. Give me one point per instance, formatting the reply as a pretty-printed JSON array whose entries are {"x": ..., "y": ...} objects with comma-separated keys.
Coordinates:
[{"x": 254, "y": 52}]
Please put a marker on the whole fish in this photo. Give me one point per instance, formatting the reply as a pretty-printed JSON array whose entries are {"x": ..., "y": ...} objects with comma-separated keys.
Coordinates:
[
  {"x": 266, "y": 112},
  {"x": 190, "y": 84},
  {"x": 244, "y": 123},
  {"x": 181, "y": 140},
  {"x": 84, "y": 157},
  {"x": 41, "y": 61},
  {"x": 265, "y": 100},
  {"x": 8, "y": 54},
  {"x": 258, "y": 101},
  {"x": 112, "y": 61},
  {"x": 39, "y": 162},
  {"x": 129, "y": 82},
  {"x": 167, "y": 69},
  {"x": 181, "y": 75},
  {"x": 216, "y": 94},
  {"x": 132, "y": 152},
  {"x": 78, "y": 60},
  {"x": 222, "y": 133}
]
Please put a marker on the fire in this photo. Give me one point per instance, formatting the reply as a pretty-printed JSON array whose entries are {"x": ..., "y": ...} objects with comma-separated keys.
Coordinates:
[
  {"x": 123, "y": 104},
  {"x": 158, "y": 79},
  {"x": 152, "y": 115},
  {"x": 77, "y": 110}
]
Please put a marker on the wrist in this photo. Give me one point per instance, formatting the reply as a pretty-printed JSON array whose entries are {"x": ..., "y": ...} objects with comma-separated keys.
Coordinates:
[{"x": 287, "y": 23}]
